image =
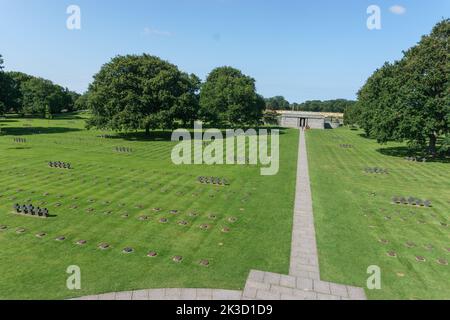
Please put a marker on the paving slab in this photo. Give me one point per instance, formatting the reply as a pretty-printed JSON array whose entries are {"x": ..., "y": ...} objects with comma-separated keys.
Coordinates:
[
  {"x": 107, "y": 296},
  {"x": 140, "y": 295},
  {"x": 125, "y": 295},
  {"x": 156, "y": 294}
]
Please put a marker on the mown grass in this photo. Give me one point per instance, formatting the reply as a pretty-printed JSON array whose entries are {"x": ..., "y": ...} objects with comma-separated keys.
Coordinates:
[
  {"x": 112, "y": 184},
  {"x": 353, "y": 211}
]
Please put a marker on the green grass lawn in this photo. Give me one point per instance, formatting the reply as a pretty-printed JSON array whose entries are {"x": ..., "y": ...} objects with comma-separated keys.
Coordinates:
[
  {"x": 353, "y": 212},
  {"x": 112, "y": 184}
]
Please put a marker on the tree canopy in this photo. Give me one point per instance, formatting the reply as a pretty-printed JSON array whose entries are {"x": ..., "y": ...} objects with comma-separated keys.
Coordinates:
[
  {"x": 81, "y": 103},
  {"x": 25, "y": 94},
  {"x": 229, "y": 97},
  {"x": 410, "y": 98},
  {"x": 6, "y": 85},
  {"x": 270, "y": 117},
  {"x": 42, "y": 97},
  {"x": 336, "y": 105},
  {"x": 2, "y": 87},
  {"x": 351, "y": 114},
  {"x": 277, "y": 103},
  {"x": 141, "y": 92},
  {"x": 135, "y": 92}
]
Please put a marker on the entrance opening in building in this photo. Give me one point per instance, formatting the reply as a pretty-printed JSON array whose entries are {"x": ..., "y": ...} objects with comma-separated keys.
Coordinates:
[{"x": 303, "y": 123}]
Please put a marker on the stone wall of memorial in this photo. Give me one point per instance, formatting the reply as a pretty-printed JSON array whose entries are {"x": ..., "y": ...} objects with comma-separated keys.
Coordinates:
[
  {"x": 289, "y": 122},
  {"x": 293, "y": 122},
  {"x": 314, "y": 123}
]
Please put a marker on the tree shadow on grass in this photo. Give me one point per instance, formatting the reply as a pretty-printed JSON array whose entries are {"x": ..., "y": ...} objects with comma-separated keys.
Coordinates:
[
  {"x": 159, "y": 135},
  {"x": 365, "y": 136},
  {"x": 404, "y": 151},
  {"x": 55, "y": 116},
  {"x": 142, "y": 136},
  {"x": 68, "y": 116},
  {"x": 19, "y": 148},
  {"x": 23, "y": 131}
]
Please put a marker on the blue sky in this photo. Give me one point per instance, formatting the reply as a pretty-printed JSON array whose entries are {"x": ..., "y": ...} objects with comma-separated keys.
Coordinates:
[{"x": 315, "y": 49}]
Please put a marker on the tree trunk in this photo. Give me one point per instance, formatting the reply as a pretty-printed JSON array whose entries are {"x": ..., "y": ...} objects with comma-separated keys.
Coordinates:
[
  {"x": 432, "y": 145},
  {"x": 147, "y": 130}
]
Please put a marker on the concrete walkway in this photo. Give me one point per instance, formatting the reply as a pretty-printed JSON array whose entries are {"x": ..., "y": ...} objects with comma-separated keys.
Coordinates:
[
  {"x": 169, "y": 294},
  {"x": 303, "y": 281},
  {"x": 304, "y": 258}
]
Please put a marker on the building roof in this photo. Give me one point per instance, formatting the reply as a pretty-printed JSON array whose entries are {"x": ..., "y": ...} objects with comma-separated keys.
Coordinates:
[
  {"x": 310, "y": 114},
  {"x": 301, "y": 114}
]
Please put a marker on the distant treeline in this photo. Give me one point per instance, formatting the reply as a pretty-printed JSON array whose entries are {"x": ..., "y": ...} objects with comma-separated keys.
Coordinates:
[
  {"x": 24, "y": 94},
  {"x": 141, "y": 92},
  {"x": 337, "y": 105}
]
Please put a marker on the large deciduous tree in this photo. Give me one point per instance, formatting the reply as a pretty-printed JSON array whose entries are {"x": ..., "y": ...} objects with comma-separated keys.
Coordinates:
[
  {"x": 71, "y": 98},
  {"x": 81, "y": 103},
  {"x": 6, "y": 89},
  {"x": 37, "y": 96},
  {"x": 2, "y": 87},
  {"x": 42, "y": 97},
  {"x": 229, "y": 97},
  {"x": 426, "y": 88},
  {"x": 270, "y": 117},
  {"x": 22, "y": 93},
  {"x": 18, "y": 79},
  {"x": 141, "y": 92},
  {"x": 351, "y": 114},
  {"x": 410, "y": 99}
]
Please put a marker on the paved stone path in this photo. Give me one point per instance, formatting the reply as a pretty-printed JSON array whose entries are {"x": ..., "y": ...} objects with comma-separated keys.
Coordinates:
[
  {"x": 303, "y": 281},
  {"x": 304, "y": 258}
]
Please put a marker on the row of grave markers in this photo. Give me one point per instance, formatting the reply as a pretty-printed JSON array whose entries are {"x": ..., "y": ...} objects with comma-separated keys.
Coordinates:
[
  {"x": 376, "y": 170},
  {"x": 124, "y": 149},
  {"x": 59, "y": 164},
  {"x": 214, "y": 181},
  {"x": 412, "y": 201},
  {"x": 31, "y": 210}
]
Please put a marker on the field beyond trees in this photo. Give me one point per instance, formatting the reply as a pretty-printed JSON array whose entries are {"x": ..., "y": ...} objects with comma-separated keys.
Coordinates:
[
  {"x": 358, "y": 225},
  {"x": 120, "y": 199}
]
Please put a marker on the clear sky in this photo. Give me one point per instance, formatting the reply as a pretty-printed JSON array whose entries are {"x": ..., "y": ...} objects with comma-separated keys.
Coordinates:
[{"x": 301, "y": 49}]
